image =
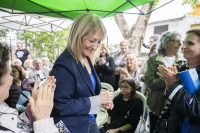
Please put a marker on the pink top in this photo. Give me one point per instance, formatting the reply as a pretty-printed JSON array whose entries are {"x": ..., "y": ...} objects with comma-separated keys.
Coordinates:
[
  {"x": 117, "y": 62},
  {"x": 29, "y": 114}
]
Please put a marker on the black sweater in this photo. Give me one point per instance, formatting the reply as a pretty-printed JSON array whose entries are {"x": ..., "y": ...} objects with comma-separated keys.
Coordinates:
[
  {"x": 126, "y": 112},
  {"x": 105, "y": 72}
]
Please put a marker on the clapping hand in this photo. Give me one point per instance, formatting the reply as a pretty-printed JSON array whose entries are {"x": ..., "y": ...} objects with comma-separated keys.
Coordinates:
[
  {"x": 169, "y": 74},
  {"x": 123, "y": 70},
  {"x": 41, "y": 101},
  {"x": 108, "y": 106}
]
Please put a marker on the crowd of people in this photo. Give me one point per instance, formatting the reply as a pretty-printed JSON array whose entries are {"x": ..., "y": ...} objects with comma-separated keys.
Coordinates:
[{"x": 65, "y": 95}]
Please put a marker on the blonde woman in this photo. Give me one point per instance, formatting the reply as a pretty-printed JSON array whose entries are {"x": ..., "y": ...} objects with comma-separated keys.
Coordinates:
[
  {"x": 28, "y": 65},
  {"x": 105, "y": 66},
  {"x": 77, "y": 96},
  {"x": 120, "y": 60},
  {"x": 131, "y": 70}
]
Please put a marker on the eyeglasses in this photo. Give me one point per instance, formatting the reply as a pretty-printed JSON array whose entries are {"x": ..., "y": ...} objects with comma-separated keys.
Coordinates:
[
  {"x": 177, "y": 41},
  {"x": 125, "y": 87}
]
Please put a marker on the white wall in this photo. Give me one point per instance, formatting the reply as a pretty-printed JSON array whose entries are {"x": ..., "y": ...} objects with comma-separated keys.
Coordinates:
[
  {"x": 187, "y": 22},
  {"x": 173, "y": 25}
]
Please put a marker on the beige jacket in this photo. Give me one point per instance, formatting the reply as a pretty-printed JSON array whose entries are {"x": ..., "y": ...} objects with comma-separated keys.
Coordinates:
[{"x": 10, "y": 120}]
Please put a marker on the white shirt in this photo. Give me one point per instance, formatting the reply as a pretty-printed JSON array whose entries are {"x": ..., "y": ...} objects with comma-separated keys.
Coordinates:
[
  {"x": 40, "y": 73},
  {"x": 169, "y": 60}
]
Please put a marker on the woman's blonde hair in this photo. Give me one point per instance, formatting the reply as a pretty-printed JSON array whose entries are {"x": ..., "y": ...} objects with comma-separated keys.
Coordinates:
[
  {"x": 26, "y": 62},
  {"x": 84, "y": 24},
  {"x": 103, "y": 45},
  {"x": 136, "y": 63},
  {"x": 124, "y": 41}
]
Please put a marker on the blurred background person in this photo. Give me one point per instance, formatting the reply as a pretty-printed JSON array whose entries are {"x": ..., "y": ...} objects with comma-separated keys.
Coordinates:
[
  {"x": 120, "y": 60},
  {"x": 20, "y": 85},
  {"x": 105, "y": 66},
  {"x": 22, "y": 53},
  {"x": 38, "y": 73},
  {"x": 128, "y": 108},
  {"x": 167, "y": 54},
  {"x": 153, "y": 48},
  {"x": 17, "y": 62},
  {"x": 28, "y": 65},
  {"x": 46, "y": 63},
  {"x": 152, "y": 39},
  {"x": 131, "y": 70}
]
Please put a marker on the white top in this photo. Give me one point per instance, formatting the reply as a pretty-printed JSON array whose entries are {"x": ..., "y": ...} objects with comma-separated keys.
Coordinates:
[
  {"x": 40, "y": 73},
  {"x": 169, "y": 60}
]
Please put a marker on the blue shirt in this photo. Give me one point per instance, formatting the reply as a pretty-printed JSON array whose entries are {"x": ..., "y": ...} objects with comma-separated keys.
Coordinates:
[{"x": 94, "y": 86}]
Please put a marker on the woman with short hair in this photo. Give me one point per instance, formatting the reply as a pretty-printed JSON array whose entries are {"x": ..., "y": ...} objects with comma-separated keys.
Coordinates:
[
  {"x": 77, "y": 96},
  {"x": 105, "y": 66},
  {"x": 28, "y": 65},
  {"x": 167, "y": 54},
  {"x": 17, "y": 62},
  {"x": 120, "y": 60}
]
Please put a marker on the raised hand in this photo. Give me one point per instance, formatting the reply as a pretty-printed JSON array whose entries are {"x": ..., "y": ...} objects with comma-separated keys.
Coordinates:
[{"x": 41, "y": 101}]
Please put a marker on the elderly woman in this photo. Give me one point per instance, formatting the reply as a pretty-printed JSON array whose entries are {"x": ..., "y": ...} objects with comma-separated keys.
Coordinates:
[
  {"x": 168, "y": 46},
  {"x": 77, "y": 96},
  {"x": 105, "y": 66},
  {"x": 17, "y": 62},
  {"x": 184, "y": 106},
  {"x": 120, "y": 60},
  {"x": 41, "y": 103},
  {"x": 131, "y": 70},
  {"x": 20, "y": 85},
  {"x": 28, "y": 65}
]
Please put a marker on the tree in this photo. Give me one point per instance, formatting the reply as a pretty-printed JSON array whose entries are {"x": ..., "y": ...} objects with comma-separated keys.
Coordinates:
[
  {"x": 190, "y": 2},
  {"x": 135, "y": 34},
  {"x": 41, "y": 42},
  {"x": 3, "y": 32}
]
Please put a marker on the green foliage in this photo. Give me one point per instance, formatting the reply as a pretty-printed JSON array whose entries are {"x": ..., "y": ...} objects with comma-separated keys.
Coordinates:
[
  {"x": 144, "y": 54},
  {"x": 41, "y": 42},
  {"x": 3, "y": 32},
  {"x": 190, "y": 2}
]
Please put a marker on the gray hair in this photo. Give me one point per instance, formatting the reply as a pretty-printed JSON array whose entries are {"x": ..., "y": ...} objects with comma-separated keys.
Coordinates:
[
  {"x": 18, "y": 61},
  {"x": 36, "y": 60},
  {"x": 164, "y": 39},
  {"x": 20, "y": 43},
  {"x": 45, "y": 58}
]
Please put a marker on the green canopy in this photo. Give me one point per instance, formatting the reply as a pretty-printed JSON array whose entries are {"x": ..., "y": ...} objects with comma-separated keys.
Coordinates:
[{"x": 71, "y": 8}]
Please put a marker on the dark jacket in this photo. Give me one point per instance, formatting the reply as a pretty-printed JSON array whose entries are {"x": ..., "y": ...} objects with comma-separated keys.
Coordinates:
[
  {"x": 73, "y": 89},
  {"x": 125, "y": 112},
  {"x": 15, "y": 92},
  {"x": 183, "y": 105},
  {"x": 105, "y": 72}
]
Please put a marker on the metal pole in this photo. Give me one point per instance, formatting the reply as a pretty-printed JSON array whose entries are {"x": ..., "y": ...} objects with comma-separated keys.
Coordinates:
[{"x": 52, "y": 44}]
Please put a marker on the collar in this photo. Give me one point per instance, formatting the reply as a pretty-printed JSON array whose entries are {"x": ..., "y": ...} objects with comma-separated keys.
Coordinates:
[{"x": 178, "y": 57}]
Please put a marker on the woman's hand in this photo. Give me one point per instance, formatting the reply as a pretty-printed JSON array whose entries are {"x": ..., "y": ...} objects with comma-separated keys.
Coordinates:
[
  {"x": 112, "y": 131},
  {"x": 108, "y": 106},
  {"x": 103, "y": 61},
  {"x": 106, "y": 97},
  {"x": 169, "y": 74},
  {"x": 124, "y": 71},
  {"x": 41, "y": 101}
]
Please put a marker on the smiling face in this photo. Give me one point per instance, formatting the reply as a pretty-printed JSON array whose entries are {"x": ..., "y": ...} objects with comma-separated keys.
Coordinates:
[
  {"x": 173, "y": 47},
  {"x": 130, "y": 61},
  {"x": 90, "y": 43},
  {"x": 6, "y": 82},
  {"x": 191, "y": 47},
  {"x": 103, "y": 52},
  {"x": 124, "y": 47}
]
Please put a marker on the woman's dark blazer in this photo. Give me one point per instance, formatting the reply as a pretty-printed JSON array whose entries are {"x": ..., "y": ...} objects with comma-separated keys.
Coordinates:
[
  {"x": 106, "y": 71},
  {"x": 73, "y": 89}
]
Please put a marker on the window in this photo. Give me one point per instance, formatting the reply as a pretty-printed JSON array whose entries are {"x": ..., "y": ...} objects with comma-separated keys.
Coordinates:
[{"x": 160, "y": 29}]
